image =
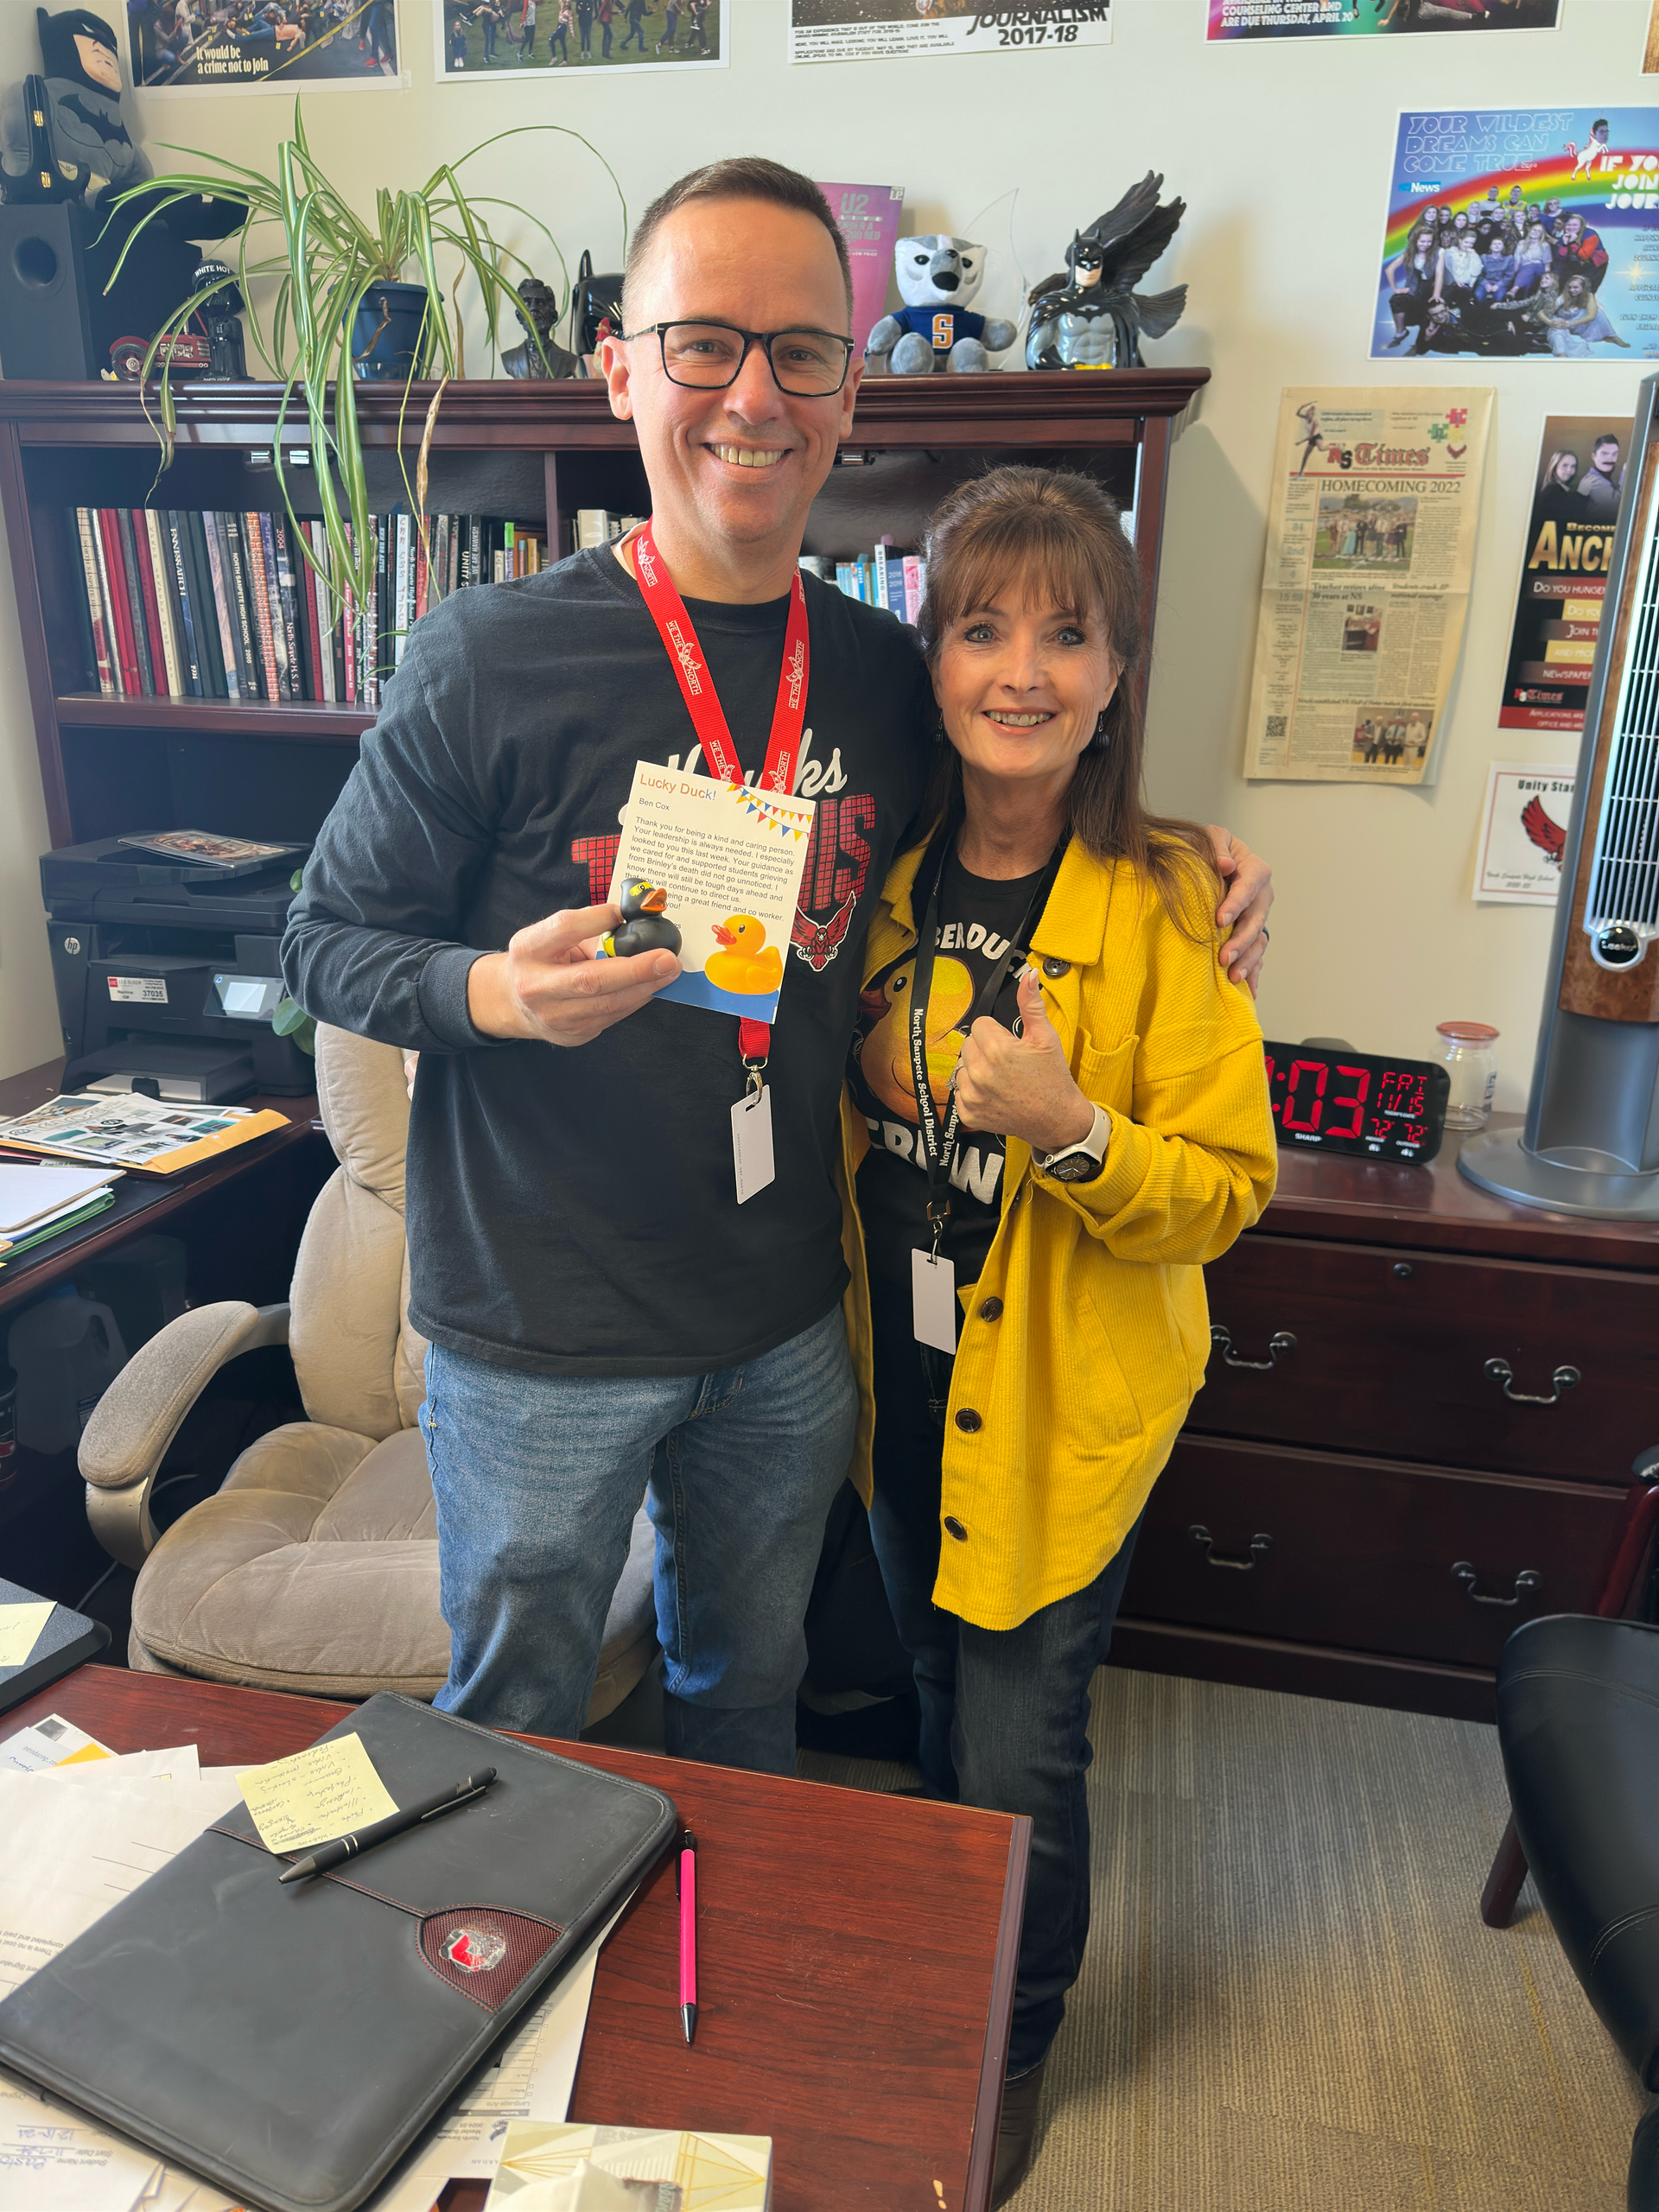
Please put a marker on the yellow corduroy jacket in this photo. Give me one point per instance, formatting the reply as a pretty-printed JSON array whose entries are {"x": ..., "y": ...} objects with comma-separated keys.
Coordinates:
[{"x": 1085, "y": 1340}]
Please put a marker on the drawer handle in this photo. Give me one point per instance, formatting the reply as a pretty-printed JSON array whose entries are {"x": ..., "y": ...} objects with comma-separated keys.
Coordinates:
[
  {"x": 1529, "y": 1579},
  {"x": 1564, "y": 1378},
  {"x": 1260, "y": 1547},
  {"x": 1278, "y": 1345}
]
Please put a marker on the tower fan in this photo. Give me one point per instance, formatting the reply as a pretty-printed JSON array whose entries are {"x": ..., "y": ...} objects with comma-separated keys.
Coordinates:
[{"x": 1590, "y": 1142}]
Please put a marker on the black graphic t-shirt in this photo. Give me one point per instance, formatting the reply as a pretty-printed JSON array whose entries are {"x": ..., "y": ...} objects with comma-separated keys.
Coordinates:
[
  {"x": 977, "y": 918},
  {"x": 573, "y": 1209}
]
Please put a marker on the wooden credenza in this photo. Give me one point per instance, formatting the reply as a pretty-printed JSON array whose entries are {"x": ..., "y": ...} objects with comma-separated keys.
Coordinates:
[{"x": 1363, "y": 1503}]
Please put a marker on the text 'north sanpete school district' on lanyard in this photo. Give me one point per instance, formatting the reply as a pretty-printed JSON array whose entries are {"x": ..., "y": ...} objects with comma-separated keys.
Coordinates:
[{"x": 751, "y": 1153}]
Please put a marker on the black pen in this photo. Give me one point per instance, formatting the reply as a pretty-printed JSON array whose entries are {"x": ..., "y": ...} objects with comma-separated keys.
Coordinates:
[{"x": 347, "y": 1846}]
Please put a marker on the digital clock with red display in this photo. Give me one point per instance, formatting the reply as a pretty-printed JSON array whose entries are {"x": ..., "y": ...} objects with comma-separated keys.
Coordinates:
[{"x": 1356, "y": 1103}]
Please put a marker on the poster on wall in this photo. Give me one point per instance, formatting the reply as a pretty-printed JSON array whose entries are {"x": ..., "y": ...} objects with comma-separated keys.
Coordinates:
[
  {"x": 280, "y": 46},
  {"x": 1577, "y": 493},
  {"x": 1525, "y": 234},
  {"x": 1371, "y": 543},
  {"x": 887, "y": 30},
  {"x": 1230, "y": 19},
  {"x": 1523, "y": 831},
  {"x": 867, "y": 217},
  {"x": 494, "y": 38}
]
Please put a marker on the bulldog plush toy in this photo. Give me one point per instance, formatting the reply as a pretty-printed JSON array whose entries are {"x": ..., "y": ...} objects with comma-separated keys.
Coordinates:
[{"x": 937, "y": 329}]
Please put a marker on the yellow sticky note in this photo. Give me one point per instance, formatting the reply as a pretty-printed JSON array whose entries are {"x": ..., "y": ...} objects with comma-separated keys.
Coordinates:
[
  {"x": 20, "y": 1630},
  {"x": 330, "y": 1790}
]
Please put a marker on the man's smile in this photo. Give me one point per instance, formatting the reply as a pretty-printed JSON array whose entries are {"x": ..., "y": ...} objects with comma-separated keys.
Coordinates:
[{"x": 748, "y": 456}]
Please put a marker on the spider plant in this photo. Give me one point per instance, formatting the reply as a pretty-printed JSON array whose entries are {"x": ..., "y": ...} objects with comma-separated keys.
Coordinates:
[{"x": 325, "y": 260}]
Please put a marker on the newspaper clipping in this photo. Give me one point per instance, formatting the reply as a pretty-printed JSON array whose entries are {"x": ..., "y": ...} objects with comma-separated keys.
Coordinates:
[{"x": 1370, "y": 540}]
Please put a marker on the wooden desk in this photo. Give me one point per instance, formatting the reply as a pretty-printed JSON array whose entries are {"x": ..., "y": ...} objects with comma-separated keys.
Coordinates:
[
  {"x": 273, "y": 1176},
  {"x": 856, "y": 1959},
  {"x": 1383, "y": 1511}
]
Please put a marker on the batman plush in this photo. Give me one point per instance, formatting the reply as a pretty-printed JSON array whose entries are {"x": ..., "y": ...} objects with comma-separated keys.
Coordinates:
[{"x": 92, "y": 154}]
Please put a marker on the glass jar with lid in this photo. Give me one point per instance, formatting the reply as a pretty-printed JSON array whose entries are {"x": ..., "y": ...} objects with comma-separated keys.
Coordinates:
[{"x": 1466, "y": 1047}]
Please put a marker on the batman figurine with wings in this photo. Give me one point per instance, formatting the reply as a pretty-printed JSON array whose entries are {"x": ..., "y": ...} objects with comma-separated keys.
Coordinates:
[{"x": 1088, "y": 316}]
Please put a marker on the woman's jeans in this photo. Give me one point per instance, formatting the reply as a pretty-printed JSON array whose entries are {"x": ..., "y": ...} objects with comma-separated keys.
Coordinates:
[
  {"x": 1005, "y": 1712},
  {"x": 538, "y": 1478}
]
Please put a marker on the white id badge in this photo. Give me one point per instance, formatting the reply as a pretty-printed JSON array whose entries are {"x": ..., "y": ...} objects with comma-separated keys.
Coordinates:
[
  {"x": 933, "y": 1298},
  {"x": 751, "y": 1143}
]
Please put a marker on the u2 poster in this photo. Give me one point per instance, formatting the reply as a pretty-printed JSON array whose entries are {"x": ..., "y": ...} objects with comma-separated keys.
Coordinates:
[
  {"x": 1577, "y": 490},
  {"x": 1522, "y": 233},
  {"x": 1231, "y": 19}
]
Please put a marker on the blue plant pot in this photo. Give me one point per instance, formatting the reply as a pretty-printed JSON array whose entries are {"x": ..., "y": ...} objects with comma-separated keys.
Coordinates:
[{"x": 391, "y": 354}]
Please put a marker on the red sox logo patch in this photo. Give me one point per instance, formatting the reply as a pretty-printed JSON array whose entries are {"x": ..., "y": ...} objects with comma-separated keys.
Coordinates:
[{"x": 475, "y": 1951}]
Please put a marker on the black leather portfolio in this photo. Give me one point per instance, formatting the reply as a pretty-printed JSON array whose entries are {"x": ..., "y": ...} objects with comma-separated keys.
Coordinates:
[{"x": 289, "y": 2044}]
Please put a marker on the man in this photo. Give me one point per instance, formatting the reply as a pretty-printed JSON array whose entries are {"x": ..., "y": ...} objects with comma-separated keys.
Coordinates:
[
  {"x": 601, "y": 1308},
  {"x": 1603, "y": 481}
]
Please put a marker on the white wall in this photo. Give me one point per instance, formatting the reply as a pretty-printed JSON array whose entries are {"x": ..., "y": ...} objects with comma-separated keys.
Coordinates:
[{"x": 1283, "y": 154}]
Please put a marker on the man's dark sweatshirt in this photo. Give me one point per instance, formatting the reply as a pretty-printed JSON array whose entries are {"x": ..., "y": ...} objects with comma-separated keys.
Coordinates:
[{"x": 572, "y": 1210}]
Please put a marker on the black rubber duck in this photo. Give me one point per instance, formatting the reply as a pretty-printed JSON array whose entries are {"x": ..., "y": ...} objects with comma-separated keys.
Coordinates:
[{"x": 645, "y": 927}]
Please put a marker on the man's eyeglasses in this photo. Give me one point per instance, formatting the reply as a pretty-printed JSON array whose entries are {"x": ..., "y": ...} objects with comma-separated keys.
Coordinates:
[{"x": 709, "y": 356}]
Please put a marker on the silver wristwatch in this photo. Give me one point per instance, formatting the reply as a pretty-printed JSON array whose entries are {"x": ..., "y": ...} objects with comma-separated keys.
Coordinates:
[{"x": 1081, "y": 1163}]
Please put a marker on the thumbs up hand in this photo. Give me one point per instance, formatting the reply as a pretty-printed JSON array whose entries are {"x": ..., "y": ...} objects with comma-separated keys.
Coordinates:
[{"x": 1022, "y": 1086}]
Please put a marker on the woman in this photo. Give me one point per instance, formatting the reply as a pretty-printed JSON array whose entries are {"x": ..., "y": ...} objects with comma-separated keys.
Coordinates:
[
  {"x": 1571, "y": 320},
  {"x": 1558, "y": 498},
  {"x": 1533, "y": 256},
  {"x": 1414, "y": 281},
  {"x": 1087, "y": 1132},
  {"x": 1459, "y": 272}
]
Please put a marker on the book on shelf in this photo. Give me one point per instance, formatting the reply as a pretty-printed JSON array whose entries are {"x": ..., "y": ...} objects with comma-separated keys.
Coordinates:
[
  {"x": 883, "y": 577},
  {"x": 221, "y": 604},
  {"x": 600, "y": 526}
]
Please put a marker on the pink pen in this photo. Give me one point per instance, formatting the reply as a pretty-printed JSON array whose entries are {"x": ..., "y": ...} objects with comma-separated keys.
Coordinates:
[{"x": 685, "y": 1884}]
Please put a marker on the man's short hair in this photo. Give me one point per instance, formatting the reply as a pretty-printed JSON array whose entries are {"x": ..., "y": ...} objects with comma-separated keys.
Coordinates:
[
  {"x": 1607, "y": 438},
  {"x": 749, "y": 176}
]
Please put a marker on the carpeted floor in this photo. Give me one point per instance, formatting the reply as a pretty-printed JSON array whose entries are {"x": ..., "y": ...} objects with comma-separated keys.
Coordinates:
[{"x": 1289, "y": 2002}]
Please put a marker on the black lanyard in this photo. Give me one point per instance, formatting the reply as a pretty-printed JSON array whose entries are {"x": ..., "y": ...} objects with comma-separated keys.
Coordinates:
[{"x": 937, "y": 1139}]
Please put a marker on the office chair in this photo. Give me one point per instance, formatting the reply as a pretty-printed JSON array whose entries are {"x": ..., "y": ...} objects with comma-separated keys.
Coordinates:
[{"x": 314, "y": 1567}]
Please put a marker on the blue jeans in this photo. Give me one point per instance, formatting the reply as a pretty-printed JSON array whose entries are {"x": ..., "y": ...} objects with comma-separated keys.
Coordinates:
[
  {"x": 1005, "y": 1712},
  {"x": 537, "y": 1479}
]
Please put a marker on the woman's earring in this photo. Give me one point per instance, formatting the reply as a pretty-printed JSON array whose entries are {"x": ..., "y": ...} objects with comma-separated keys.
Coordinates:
[
  {"x": 938, "y": 729},
  {"x": 1102, "y": 736}
]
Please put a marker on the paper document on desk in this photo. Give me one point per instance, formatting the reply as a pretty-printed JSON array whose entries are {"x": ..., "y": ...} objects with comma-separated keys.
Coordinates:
[{"x": 50, "y": 1742}]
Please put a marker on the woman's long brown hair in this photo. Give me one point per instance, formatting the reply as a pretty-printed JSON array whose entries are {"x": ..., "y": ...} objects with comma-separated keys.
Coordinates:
[{"x": 1057, "y": 538}]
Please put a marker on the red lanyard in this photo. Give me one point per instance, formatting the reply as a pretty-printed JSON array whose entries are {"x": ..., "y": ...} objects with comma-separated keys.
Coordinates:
[
  {"x": 674, "y": 626},
  {"x": 679, "y": 637}
]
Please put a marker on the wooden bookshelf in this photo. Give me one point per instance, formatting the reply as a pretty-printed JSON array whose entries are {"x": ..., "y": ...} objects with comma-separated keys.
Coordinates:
[{"x": 533, "y": 452}]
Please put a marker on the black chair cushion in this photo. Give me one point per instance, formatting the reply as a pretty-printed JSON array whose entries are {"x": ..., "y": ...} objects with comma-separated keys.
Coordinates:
[{"x": 1578, "y": 1717}]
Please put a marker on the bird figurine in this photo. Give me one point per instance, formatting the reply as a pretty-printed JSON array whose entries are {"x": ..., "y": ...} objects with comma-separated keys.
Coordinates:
[
  {"x": 885, "y": 1059},
  {"x": 746, "y": 963},
  {"x": 645, "y": 927},
  {"x": 1088, "y": 316}
]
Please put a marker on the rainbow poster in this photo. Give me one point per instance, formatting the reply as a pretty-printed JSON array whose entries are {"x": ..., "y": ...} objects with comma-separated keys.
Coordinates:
[
  {"x": 1523, "y": 232},
  {"x": 1230, "y": 19}
]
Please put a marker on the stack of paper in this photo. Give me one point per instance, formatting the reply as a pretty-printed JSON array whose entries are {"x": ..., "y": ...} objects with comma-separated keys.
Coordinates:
[
  {"x": 38, "y": 1201},
  {"x": 79, "y": 1836}
]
